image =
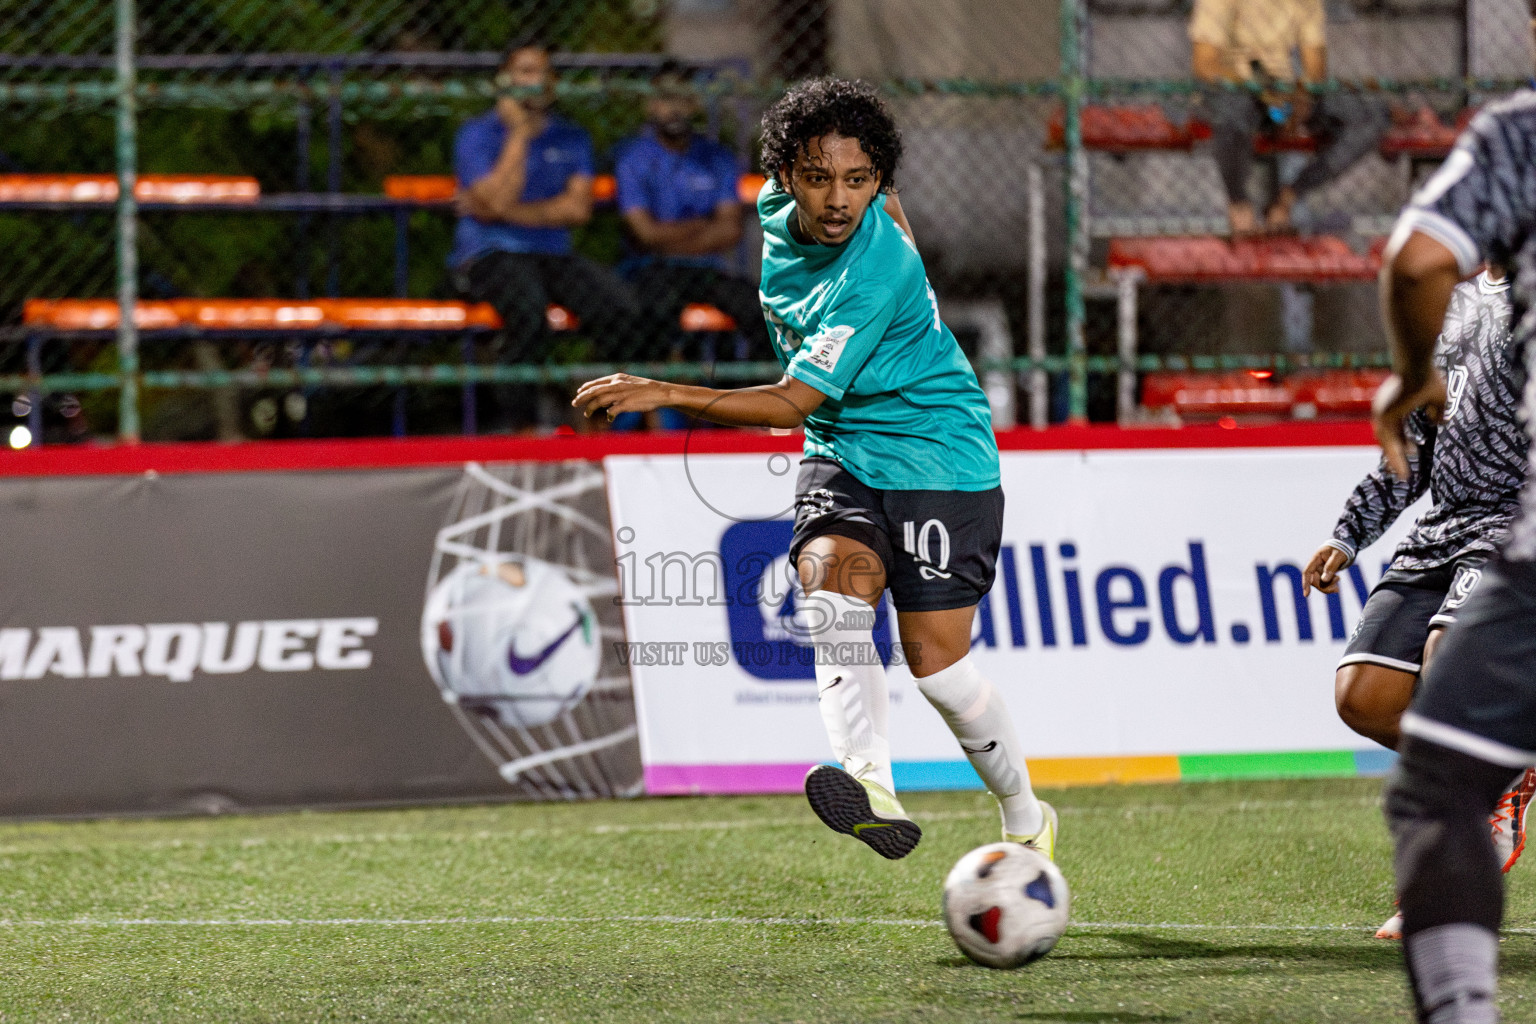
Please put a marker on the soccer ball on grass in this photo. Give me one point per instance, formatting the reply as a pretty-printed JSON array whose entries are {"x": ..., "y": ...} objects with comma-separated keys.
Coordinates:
[{"x": 1005, "y": 905}]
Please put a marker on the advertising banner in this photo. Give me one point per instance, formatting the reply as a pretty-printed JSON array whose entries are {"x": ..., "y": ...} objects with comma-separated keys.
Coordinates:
[
  {"x": 1147, "y": 621},
  {"x": 223, "y": 641}
]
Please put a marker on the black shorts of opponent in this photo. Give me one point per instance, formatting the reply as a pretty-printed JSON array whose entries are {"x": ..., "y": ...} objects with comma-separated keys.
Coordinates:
[{"x": 1404, "y": 607}]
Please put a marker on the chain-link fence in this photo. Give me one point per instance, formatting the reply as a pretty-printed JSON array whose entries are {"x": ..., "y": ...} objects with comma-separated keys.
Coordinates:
[{"x": 1054, "y": 152}]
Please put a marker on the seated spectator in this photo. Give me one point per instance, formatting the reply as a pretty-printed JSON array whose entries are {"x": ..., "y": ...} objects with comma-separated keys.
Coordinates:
[
  {"x": 1250, "y": 43},
  {"x": 678, "y": 197},
  {"x": 525, "y": 180}
]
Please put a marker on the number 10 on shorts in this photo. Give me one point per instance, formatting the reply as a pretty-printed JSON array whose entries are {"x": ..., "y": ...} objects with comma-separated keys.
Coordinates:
[{"x": 921, "y": 543}]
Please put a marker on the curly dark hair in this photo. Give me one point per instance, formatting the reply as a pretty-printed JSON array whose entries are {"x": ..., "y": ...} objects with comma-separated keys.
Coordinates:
[{"x": 831, "y": 106}]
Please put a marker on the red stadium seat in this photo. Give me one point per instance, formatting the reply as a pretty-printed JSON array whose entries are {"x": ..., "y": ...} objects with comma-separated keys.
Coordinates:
[
  {"x": 150, "y": 188},
  {"x": 1339, "y": 392},
  {"x": 1192, "y": 260},
  {"x": 1259, "y": 393},
  {"x": 1125, "y": 129},
  {"x": 1423, "y": 136},
  {"x": 1234, "y": 393}
]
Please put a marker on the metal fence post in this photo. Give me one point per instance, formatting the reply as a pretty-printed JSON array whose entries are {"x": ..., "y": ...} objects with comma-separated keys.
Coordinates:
[
  {"x": 127, "y": 229},
  {"x": 1076, "y": 208},
  {"x": 1039, "y": 383}
]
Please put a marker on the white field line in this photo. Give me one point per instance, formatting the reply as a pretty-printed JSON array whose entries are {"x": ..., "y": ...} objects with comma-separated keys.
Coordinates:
[
  {"x": 654, "y": 919},
  {"x": 43, "y": 846}
]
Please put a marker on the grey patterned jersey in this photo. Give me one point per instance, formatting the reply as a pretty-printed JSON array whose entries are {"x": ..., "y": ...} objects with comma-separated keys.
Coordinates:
[
  {"x": 1472, "y": 463},
  {"x": 1481, "y": 204}
]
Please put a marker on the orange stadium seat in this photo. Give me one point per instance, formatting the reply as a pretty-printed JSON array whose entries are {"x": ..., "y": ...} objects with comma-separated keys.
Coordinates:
[
  {"x": 95, "y": 314},
  {"x": 697, "y": 316},
  {"x": 421, "y": 188},
  {"x": 150, "y": 188},
  {"x": 431, "y": 189},
  {"x": 749, "y": 186},
  {"x": 312, "y": 314}
]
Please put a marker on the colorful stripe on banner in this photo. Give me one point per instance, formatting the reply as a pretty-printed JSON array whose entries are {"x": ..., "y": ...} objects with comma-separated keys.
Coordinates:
[{"x": 1048, "y": 772}]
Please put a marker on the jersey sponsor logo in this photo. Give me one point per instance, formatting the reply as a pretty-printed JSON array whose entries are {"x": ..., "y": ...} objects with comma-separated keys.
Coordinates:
[
  {"x": 1455, "y": 387},
  {"x": 179, "y": 650},
  {"x": 929, "y": 545},
  {"x": 826, "y": 347}
]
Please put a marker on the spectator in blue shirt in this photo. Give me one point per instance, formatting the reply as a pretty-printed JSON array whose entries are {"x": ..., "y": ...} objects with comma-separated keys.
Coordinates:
[
  {"x": 525, "y": 180},
  {"x": 678, "y": 196}
]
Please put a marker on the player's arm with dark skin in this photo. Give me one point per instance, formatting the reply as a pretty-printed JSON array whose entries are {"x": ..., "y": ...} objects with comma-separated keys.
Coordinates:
[
  {"x": 1417, "y": 279},
  {"x": 783, "y": 405}
]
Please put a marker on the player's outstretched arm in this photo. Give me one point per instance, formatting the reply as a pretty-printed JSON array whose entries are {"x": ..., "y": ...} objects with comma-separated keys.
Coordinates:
[
  {"x": 1417, "y": 279},
  {"x": 783, "y": 405}
]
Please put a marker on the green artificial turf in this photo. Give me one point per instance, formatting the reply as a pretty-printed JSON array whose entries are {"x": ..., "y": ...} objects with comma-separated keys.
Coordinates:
[{"x": 596, "y": 912}]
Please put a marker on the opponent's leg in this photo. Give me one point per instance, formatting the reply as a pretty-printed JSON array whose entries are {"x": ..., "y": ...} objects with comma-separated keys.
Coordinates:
[
  {"x": 843, "y": 580},
  {"x": 1468, "y": 734},
  {"x": 1371, "y": 700},
  {"x": 938, "y": 647},
  {"x": 1507, "y": 823},
  {"x": 1437, "y": 803}
]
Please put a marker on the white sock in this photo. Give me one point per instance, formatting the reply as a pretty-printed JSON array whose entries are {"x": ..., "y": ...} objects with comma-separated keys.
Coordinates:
[
  {"x": 850, "y": 683},
  {"x": 1455, "y": 970},
  {"x": 976, "y": 714}
]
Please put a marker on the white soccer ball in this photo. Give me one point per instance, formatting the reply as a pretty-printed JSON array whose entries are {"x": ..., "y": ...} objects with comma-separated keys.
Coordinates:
[
  {"x": 1005, "y": 905},
  {"x": 518, "y": 637}
]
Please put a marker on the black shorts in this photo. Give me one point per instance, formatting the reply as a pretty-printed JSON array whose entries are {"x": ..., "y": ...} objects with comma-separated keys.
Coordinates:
[
  {"x": 1479, "y": 695},
  {"x": 1404, "y": 607},
  {"x": 939, "y": 548}
]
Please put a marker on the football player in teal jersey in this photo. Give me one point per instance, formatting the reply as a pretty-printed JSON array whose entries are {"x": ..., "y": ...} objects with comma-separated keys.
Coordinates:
[{"x": 900, "y": 486}]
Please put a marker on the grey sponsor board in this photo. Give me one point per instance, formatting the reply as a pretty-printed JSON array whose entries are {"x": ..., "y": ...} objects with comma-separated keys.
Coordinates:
[{"x": 218, "y": 642}]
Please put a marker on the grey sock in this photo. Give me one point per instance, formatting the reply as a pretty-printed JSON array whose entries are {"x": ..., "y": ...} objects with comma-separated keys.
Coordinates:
[{"x": 1455, "y": 972}]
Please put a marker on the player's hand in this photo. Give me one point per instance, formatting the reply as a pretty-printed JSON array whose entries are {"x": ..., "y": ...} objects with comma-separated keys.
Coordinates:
[
  {"x": 619, "y": 393},
  {"x": 1323, "y": 570},
  {"x": 1390, "y": 409}
]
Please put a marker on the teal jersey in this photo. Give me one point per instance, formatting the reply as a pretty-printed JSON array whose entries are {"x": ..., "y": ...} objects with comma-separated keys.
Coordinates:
[{"x": 859, "y": 322}]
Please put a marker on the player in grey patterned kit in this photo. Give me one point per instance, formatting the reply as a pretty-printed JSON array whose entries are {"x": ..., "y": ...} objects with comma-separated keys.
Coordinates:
[
  {"x": 1471, "y": 729},
  {"x": 1472, "y": 462}
]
